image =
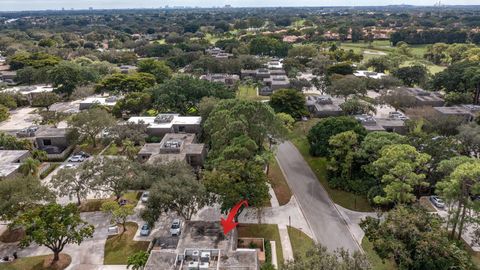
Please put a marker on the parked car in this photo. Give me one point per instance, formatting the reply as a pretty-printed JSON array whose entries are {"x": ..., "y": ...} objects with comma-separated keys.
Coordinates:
[
  {"x": 176, "y": 228},
  {"x": 76, "y": 158},
  {"x": 144, "y": 197},
  {"x": 437, "y": 201},
  {"x": 83, "y": 154},
  {"x": 69, "y": 166},
  {"x": 145, "y": 230}
]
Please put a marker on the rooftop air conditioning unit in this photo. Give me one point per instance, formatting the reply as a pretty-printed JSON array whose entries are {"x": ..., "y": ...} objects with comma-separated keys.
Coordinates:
[
  {"x": 204, "y": 265},
  {"x": 195, "y": 255},
  {"x": 193, "y": 266},
  {"x": 205, "y": 256}
]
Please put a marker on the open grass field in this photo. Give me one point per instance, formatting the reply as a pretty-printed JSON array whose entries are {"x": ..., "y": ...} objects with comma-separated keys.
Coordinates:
[
  {"x": 119, "y": 247},
  {"x": 319, "y": 167},
  {"x": 301, "y": 243},
  {"x": 266, "y": 231}
]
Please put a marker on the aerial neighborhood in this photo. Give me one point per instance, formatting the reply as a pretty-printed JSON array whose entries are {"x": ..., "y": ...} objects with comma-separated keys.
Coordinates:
[{"x": 225, "y": 138}]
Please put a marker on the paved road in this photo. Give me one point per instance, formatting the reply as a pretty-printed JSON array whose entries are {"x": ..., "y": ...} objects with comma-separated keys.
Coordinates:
[{"x": 324, "y": 219}]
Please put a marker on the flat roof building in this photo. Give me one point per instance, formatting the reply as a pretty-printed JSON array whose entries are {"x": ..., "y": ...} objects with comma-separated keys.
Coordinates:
[
  {"x": 103, "y": 101},
  {"x": 175, "y": 147},
  {"x": 169, "y": 123},
  {"x": 10, "y": 161},
  {"x": 424, "y": 98},
  {"x": 371, "y": 123},
  {"x": 466, "y": 112},
  {"x": 323, "y": 106},
  {"x": 202, "y": 245}
]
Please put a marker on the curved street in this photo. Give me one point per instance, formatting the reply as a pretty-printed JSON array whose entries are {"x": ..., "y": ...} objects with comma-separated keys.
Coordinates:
[{"x": 327, "y": 224}]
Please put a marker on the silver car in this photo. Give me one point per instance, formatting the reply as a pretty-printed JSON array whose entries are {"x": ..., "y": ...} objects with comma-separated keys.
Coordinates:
[
  {"x": 176, "y": 228},
  {"x": 145, "y": 230},
  {"x": 437, "y": 201}
]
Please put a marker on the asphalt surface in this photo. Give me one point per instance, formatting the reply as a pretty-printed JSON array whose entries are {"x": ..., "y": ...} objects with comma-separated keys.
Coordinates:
[{"x": 327, "y": 225}]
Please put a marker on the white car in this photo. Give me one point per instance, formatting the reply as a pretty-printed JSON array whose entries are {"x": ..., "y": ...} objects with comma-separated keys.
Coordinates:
[
  {"x": 144, "y": 198},
  {"x": 176, "y": 228},
  {"x": 437, "y": 201},
  {"x": 76, "y": 158}
]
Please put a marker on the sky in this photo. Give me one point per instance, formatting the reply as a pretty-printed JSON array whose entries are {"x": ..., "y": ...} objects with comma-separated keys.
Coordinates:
[{"x": 12, "y": 5}]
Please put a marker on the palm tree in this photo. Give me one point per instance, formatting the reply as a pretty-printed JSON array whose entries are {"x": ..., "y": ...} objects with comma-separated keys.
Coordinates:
[
  {"x": 29, "y": 167},
  {"x": 138, "y": 260},
  {"x": 129, "y": 149},
  {"x": 39, "y": 155}
]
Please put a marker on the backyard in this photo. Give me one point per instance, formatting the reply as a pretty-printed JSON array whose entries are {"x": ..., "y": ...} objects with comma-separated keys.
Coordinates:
[
  {"x": 267, "y": 231},
  {"x": 119, "y": 247}
]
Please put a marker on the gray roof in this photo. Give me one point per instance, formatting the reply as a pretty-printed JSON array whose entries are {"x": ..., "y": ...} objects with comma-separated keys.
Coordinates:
[
  {"x": 12, "y": 156},
  {"x": 52, "y": 132}
]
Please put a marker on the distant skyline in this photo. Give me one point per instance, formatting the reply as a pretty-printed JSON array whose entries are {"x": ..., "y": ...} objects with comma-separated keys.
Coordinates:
[{"x": 20, "y": 5}]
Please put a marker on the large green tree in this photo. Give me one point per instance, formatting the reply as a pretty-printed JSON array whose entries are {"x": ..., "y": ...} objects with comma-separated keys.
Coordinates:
[
  {"x": 20, "y": 194},
  {"x": 401, "y": 169},
  {"x": 319, "y": 135},
  {"x": 347, "y": 86},
  {"x": 54, "y": 226},
  {"x": 181, "y": 193},
  {"x": 458, "y": 188},
  {"x": 318, "y": 257},
  {"x": 159, "y": 69},
  {"x": 91, "y": 122},
  {"x": 182, "y": 94},
  {"x": 289, "y": 101},
  {"x": 414, "y": 239}
]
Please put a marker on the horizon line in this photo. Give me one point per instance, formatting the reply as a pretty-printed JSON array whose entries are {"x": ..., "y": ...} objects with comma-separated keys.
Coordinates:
[{"x": 180, "y": 7}]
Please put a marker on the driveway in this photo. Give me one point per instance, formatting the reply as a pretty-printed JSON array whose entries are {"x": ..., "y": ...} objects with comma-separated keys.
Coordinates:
[
  {"x": 88, "y": 255},
  {"x": 328, "y": 226}
]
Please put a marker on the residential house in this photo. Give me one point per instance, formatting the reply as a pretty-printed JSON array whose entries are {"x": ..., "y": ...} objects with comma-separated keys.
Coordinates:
[
  {"x": 324, "y": 106},
  {"x": 103, "y": 101},
  {"x": 175, "y": 146},
  {"x": 390, "y": 124},
  {"x": 169, "y": 123},
  {"x": 464, "y": 113},
  {"x": 227, "y": 79},
  {"x": 201, "y": 246},
  {"x": 10, "y": 161},
  {"x": 369, "y": 74},
  {"x": 52, "y": 140},
  {"x": 423, "y": 98}
]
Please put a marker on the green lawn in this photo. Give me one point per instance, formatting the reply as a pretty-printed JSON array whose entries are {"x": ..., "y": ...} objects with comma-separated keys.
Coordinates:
[
  {"x": 32, "y": 263},
  {"x": 374, "y": 259},
  {"x": 431, "y": 67},
  {"x": 119, "y": 247},
  {"x": 279, "y": 184},
  {"x": 93, "y": 205},
  {"x": 301, "y": 242},
  {"x": 266, "y": 231},
  {"x": 319, "y": 167},
  {"x": 249, "y": 93}
]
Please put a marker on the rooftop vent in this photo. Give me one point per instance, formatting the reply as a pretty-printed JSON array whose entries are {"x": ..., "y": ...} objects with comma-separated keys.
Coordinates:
[{"x": 163, "y": 118}]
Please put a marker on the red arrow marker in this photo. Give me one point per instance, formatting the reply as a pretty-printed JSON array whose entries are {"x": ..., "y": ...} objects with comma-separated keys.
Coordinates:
[{"x": 229, "y": 224}]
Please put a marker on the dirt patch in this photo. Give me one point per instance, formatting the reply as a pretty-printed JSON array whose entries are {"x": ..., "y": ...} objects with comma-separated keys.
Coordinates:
[
  {"x": 61, "y": 264},
  {"x": 12, "y": 235}
]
